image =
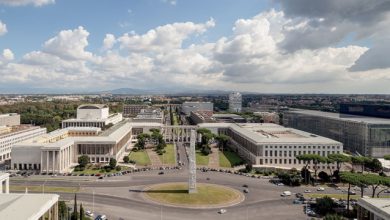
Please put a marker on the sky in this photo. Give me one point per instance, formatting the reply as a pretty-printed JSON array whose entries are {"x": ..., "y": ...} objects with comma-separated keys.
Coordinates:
[{"x": 264, "y": 46}]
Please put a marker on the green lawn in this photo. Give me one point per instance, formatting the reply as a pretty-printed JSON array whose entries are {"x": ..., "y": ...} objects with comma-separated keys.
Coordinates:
[
  {"x": 169, "y": 157},
  {"x": 140, "y": 157},
  {"x": 177, "y": 193},
  {"x": 175, "y": 119},
  {"x": 228, "y": 159},
  {"x": 202, "y": 159}
]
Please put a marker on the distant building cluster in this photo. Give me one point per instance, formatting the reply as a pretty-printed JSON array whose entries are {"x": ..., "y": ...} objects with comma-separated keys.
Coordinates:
[{"x": 188, "y": 107}]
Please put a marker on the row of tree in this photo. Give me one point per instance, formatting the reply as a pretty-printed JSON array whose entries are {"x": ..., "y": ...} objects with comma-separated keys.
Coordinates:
[
  {"x": 207, "y": 136},
  {"x": 77, "y": 214},
  {"x": 155, "y": 137}
]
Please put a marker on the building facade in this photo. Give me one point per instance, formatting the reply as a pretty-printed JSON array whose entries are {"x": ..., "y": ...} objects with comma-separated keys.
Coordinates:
[
  {"x": 188, "y": 107},
  {"x": 10, "y": 119},
  {"x": 235, "y": 102},
  {"x": 130, "y": 111},
  {"x": 93, "y": 115},
  {"x": 364, "y": 135},
  {"x": 9, "y": 136},
  {"x": 270, "y": 145},
  {"x": 373, "y": 209}
]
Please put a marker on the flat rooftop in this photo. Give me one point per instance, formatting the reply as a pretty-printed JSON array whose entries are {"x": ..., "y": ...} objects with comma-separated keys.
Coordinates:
[
  {"x": 344, "y": 117},
  {"x": 262, "y": 133},
  {"x": 380, "y": 206},
  {"x": 25, "y": 206}
]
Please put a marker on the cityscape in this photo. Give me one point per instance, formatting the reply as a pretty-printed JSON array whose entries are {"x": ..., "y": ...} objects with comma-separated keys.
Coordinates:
[{"x": 180, "y": 109}]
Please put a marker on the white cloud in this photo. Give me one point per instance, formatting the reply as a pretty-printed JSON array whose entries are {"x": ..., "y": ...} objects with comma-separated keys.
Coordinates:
[
  {"x": 69, "y": 44},
  {"x": 171, "y": 2},
  {"x": 252, "y": 58},
  {"x": 3, "y": 28},
  {"x": 8, "y": 55},
  {"x": 163, "y": 38},
  {"x": 27, "y": 2},
  {"x": 108, "y": 41}
]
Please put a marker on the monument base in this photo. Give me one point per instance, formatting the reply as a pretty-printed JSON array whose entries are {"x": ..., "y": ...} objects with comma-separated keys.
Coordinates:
[{"x": 191, "y": 191}]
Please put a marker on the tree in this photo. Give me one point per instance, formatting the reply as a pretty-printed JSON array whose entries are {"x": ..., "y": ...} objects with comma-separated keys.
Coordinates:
[
  {"x": 126, "y": 159},
  {"x": 339, "y": 159},
  {"x": 374, "y": 165},
  {"x": 222, "y": 140},
  {"x": 81, "y": 212},
  {"x": 360, "y": 160},
  {"x": 325, "y": 205},
  {"x": 323, "y": 176},
  {"x": 306, "y": 159},
  {"x": 112, "y": 163},
  {"x": 351, "y": 179},
  {"x": 315, "y": 158},
  {"x": 83, "y": 161},
  {"x": 62, "y": 210},
  {"x": 74, "y": 214},
  {"x": 141, "y": 140}
]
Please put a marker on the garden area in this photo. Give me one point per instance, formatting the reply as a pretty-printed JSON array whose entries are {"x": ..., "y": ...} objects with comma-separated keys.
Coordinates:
[
  {"x": 140, "y": 158},
  {"x": 168, "y": 157},
  {"x": 229, "y": 159},
  {"x": 201, "y": 159}
]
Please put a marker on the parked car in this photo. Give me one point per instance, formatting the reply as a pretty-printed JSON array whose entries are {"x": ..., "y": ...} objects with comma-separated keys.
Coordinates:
[
  {"x": 297, "y": 201},
  {"x": 161, "y": 173},
  {"x": 352, "y": 193},
  {"x": 320, "y": 189},
  {"x": 307, "y": 191},
  {"x": 280, "y": 184},
  {"x": 245, "y": 185},
  {"x": 101, "y": 217}
]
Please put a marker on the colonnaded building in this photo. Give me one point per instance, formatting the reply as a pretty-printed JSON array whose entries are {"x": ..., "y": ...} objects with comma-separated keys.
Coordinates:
[{"x": 263, "y": 145}]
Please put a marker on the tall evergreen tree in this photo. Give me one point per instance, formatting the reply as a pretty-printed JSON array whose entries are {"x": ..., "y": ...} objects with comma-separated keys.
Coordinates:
[
  {"x": 81, "y": 212},
  {"x": 74, "y": 214}
]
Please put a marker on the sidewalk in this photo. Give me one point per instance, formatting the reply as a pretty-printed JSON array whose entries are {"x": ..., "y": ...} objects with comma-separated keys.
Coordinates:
[
  {"x": 154, "y": 158},
  {"x": 214, "y": 157}
]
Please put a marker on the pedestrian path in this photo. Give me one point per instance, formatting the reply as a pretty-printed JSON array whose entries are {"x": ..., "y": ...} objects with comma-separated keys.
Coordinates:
[
  {"x": 154, "y": 158},
  {"x": 214, "y": 157}
]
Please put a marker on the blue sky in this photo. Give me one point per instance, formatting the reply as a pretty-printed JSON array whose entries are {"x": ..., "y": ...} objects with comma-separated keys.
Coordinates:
[
  {"x": 270, "y": 46},
  {"x": 30, "y": 26}
]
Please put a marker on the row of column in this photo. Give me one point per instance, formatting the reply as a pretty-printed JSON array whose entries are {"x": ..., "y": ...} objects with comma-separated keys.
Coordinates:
[
  {"x": 4, "y": 182},
  {"x": 56, "y": 161},
  {"x": 177, "y": 134}
]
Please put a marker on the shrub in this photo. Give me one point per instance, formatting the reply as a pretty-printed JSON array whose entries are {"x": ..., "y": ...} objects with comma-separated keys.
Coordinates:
[
  {"x": 107, "y": 169},
  {"x": 118, "y": 168},
  {"x": 126, "y": 159}
]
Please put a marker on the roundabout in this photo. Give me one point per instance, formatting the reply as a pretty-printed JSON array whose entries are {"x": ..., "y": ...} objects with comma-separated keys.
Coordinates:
[{"x": 207, "y": 195}]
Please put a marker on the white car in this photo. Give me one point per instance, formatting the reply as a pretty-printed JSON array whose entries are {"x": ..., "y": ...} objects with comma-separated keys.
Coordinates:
[
  {"x": 320, "y": 189},
  {"x": 222, "y": 211},
  {"x": 89, "y": 213},
  {"x": 280, "y": 184},
  {"x": 286, "y": 193},
  {"x": 307, "y": 191}
]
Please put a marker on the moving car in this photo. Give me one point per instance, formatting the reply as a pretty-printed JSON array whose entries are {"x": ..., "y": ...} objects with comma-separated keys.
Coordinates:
[
  {"x": 89, "y": 213},
  {"x": 222, "y": 211},
  {"x": 101, "y": 217},
  {"x": 320, "y": 189},
  {"x": 307, "y": 191},
  {"x": 246, "y": 191},
  {"x": 285, "y": 193}
]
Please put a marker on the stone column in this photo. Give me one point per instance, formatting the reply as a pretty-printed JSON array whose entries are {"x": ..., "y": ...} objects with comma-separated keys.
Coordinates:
[
  {"x": 7, "y": 186},
  {"x": 53, "y": 160},
  {"x": 47, "y": 162},
  {"x": 1, "y": 187},
  {"x": 192, "y": 165}
]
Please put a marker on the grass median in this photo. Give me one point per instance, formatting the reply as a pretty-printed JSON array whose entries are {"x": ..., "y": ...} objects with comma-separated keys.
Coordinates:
[{"x": 45, "y": 189}]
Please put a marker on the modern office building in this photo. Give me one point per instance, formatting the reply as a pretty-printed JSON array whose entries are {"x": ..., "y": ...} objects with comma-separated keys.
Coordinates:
[
  {"x": 92, "y": 115},
  {"x": 229, "y": 118},
  {"x": 130, "y": 111},
  {"x": 270, "y": 145},
  {"x": 235, "y": 102},
  {"x": 150, "y": 115},
  {"x": 188, "y": 107},
  {"x": 10, "y": 119},
  {"x": 371, "y": 110},
  {"x": 11, "y": 135},
  {"x": 373, "y": 209},
  {"x": 198, "y": 117},
  {"x": 29, "y": 206},
  {"x": 368, "y": 136}
]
